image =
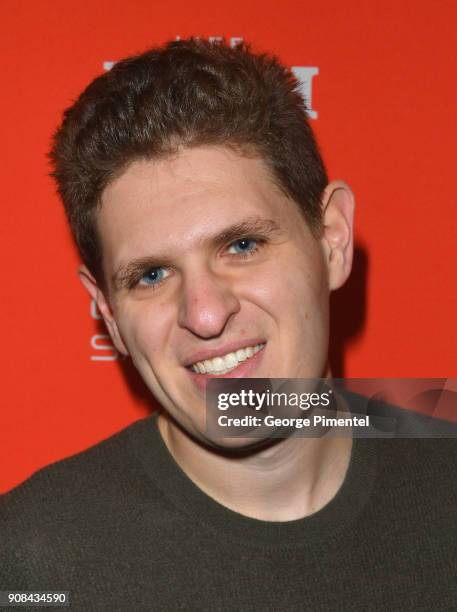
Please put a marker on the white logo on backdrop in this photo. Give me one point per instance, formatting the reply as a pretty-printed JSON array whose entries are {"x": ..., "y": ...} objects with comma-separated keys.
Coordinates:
[
  {"x": 101, "y": 343},
  {"x": 304, "y": 75}
]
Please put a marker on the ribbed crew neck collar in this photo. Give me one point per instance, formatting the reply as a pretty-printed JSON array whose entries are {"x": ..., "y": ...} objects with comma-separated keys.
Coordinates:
[{"x": 147, "y": 445}]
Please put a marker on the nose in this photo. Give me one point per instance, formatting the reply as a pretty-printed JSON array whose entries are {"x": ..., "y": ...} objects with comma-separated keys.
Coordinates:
[{"x": 207, "y": 304}]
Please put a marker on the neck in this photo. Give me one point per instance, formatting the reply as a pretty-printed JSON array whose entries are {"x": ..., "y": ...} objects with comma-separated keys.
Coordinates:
[{"x": 289, "y": 480}]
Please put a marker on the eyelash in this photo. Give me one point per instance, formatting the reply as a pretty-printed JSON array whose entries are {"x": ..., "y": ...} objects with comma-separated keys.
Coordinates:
[{"x": 259, "y": 243}]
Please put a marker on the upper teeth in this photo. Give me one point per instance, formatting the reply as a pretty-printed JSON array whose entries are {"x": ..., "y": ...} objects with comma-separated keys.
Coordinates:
[{"x": 225, "y": 363}]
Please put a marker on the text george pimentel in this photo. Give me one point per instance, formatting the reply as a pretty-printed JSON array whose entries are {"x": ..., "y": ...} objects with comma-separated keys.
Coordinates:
[{"x": 298, "y": 423}]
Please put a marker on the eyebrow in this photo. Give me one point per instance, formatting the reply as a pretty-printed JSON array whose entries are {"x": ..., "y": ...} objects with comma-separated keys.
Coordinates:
[{"x": 249, "y": 227}]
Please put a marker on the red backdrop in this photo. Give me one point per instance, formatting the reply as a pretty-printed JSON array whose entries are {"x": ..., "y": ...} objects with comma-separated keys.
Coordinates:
[{"x": 385, "y": 98}]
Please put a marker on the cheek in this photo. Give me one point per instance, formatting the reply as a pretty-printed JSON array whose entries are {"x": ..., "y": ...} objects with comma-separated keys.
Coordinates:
[
  {"x": 145, "y": 328},
  {"x": 296, "y": 285}
]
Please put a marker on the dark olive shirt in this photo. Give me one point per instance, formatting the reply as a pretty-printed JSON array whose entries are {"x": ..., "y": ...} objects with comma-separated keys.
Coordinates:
[{"x": 121, "y": 527}]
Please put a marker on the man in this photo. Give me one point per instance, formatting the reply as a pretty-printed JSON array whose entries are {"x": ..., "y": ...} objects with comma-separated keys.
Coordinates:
[{"x": 211, "y": 240}]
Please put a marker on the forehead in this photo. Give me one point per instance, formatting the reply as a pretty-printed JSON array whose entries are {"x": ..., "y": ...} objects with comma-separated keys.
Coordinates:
[{"x": 177, "y": 201}]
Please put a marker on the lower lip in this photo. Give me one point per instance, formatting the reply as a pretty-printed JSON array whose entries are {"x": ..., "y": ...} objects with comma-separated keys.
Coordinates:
[{"x": 245, "y": 369}]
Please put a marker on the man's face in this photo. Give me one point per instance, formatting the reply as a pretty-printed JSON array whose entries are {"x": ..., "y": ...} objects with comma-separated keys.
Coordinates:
[{"x": 211, "y": 271}]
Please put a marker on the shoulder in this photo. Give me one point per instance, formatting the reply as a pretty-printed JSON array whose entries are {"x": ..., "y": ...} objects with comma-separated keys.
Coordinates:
[
  {"x": 68, "y": 510},
  {"x": 416, "y": 453},
  {"x": 432, "y": 455},
  {"x": 74, "y": 484}
]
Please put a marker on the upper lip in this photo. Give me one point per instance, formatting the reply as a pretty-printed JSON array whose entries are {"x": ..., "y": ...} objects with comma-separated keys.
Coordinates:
[{"x": 230, "y": 347}]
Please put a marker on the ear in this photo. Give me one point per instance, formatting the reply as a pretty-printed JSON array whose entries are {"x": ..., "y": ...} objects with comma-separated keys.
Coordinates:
[
  {"x": 337, "y": 239},
  {"x": 103, "y": 306}
]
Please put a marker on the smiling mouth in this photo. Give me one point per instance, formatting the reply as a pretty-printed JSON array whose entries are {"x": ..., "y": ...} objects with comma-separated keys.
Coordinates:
[{"x": 224, "y": 364}]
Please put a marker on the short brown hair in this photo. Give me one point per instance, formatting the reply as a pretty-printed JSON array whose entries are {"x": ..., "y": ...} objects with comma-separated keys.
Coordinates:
[{"x": 186, "y": 93}]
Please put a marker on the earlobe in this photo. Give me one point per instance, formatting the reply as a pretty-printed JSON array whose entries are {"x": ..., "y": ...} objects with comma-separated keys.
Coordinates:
[
  {"x": 103, "y": 306},
  {"x": 338, "y": 205}
]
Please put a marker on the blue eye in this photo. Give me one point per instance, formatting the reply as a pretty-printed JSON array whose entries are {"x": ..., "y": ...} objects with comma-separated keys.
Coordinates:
[
  {"x": 153, "y": 276},
  {"x": 244, "y": 245}
]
